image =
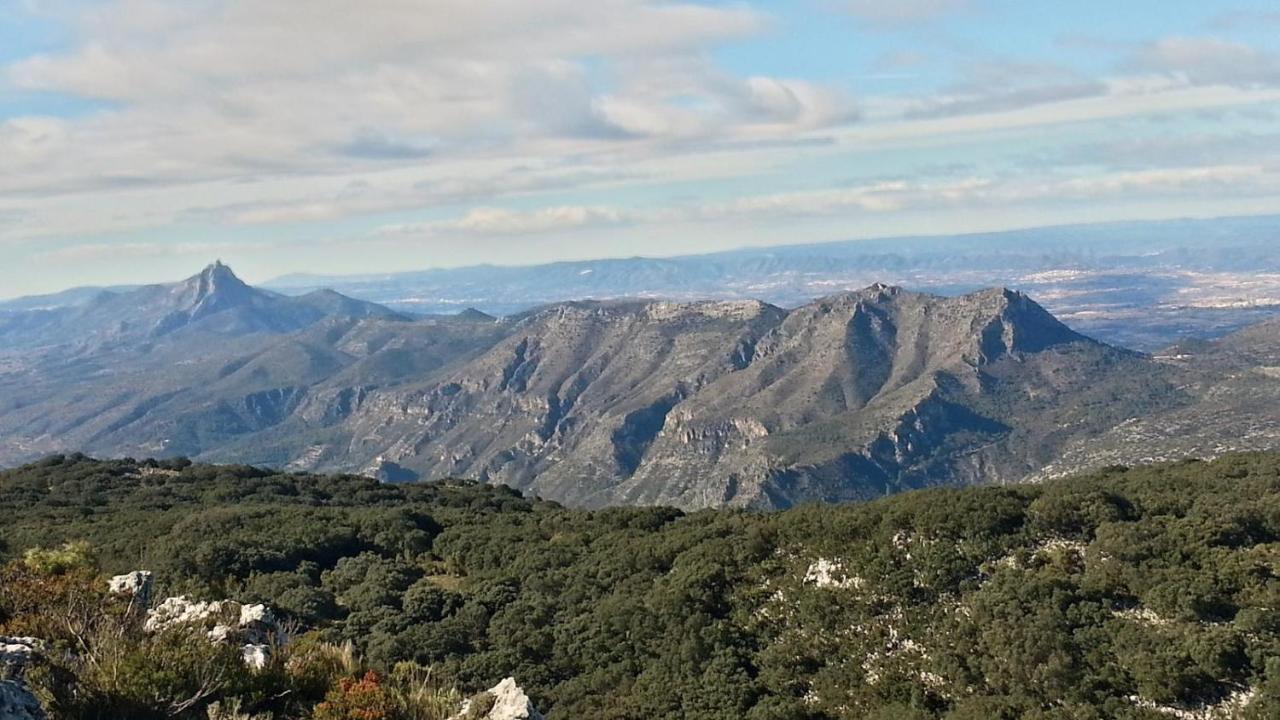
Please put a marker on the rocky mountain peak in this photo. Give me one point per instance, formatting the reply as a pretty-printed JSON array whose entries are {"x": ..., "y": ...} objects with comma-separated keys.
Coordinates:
[
  {"x": 217, "y": 279},
  {"x": 1014, "y": 323},
  {"x": 213, "y": 290}
]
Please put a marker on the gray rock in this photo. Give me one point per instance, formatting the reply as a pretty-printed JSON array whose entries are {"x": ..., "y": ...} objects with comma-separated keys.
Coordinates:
[{"x": 17, "y": 702}]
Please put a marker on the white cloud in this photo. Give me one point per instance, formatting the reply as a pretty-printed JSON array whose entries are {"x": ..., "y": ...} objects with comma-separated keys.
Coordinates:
[
  {"x": 227, "y": 88},
  {"x": 1199, "y": 180},
  {"x": 876, "y": 198},
  {"x": 1206, "y": 61},
  {"x": 498, "y": 221}
]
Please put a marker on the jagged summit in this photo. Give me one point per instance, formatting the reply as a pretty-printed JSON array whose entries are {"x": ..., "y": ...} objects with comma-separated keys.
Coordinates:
[{"x": 214, "y": 289}]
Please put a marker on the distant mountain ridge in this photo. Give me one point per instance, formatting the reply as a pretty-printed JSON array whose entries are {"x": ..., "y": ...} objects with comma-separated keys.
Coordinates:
[
  {"x": 214, "y": 301},
  {"x": 693, "y": 404},
  {"x": 1143, "y": 285}
]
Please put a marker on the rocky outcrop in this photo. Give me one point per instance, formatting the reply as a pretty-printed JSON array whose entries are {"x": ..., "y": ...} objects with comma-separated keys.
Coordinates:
[
  {"x": 137, "y": 584},
  {"x": 504, "y": 701},
  {"x": 16, "y": 701},
  {"x": 253, "y": 627},
  {"x": 17, "y": 652}
]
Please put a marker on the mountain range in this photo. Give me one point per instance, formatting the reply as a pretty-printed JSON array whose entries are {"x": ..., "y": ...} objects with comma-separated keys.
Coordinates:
[
  {"x": 1140, "y": 285},
  {"x": 593, "y": 403},
  {"x": 1143, "y": 285}
]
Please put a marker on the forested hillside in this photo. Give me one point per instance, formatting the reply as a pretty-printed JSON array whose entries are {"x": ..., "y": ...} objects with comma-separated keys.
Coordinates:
[{"x": 1125, "y": 594}]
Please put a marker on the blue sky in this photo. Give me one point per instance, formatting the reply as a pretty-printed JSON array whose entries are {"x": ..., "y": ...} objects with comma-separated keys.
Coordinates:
[{"x": 140, "y": 139}]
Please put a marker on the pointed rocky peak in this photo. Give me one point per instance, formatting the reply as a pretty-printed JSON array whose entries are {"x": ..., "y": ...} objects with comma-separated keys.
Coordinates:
[
  {"x": 214, "y": 288},
  {"x": 213, "y": 281},
  {"x": 1018, "y": 308},
  {"x": 218, "y": 277}
]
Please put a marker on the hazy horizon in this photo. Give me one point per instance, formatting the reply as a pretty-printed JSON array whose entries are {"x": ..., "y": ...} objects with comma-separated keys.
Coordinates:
[{"x": 272, "y": 278}]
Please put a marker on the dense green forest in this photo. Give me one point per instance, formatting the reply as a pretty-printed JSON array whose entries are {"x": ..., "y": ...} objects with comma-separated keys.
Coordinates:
[{"x": 1123, "y": 594}]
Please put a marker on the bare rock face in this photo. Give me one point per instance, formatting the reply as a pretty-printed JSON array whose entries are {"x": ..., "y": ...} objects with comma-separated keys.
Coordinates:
[
  {"x": 137, "y": 584},
  {"x": 504, "y": 701}
]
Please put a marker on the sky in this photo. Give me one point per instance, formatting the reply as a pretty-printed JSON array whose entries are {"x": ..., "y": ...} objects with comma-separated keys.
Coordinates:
[{"x": 141, "y": 139}]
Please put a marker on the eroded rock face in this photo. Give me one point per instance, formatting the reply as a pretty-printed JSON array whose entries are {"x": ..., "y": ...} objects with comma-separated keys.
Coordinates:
[{"x": 506, "y": 702}]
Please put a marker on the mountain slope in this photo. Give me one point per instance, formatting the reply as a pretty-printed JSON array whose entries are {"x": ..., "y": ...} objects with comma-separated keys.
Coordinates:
[
  {"x": 705, "y": 404},
  {"x": 1233, "y": 390}
]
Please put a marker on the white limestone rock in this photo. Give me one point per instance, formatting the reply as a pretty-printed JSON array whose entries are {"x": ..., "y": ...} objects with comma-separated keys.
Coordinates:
[
  {"x": 137, "y": 584},
  {"x": 17, "y": 652},
  {"x": 253, "y": 627},
  {"x": 825, "y": 573},
  {"x": 509, "y": 703},
  {"x": 259, "y": 625},
  {"x": 182, "y": 611},
  {"x": 16, "y": 701},
  {"x": 257, "y": 656}
]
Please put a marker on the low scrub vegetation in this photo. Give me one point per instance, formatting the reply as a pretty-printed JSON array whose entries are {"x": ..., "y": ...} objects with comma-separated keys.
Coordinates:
[{"x": 1125, "y": 594}]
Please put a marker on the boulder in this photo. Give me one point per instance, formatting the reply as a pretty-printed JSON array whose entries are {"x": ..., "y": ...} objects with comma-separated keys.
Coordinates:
[
  {"x": 137, "y": 584},
  {"x": 506, "y": 701},
  {"x": 257, "y": 656},
  {"x": 259, "y": 625},
  {"x": 17, "y": 702}
]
